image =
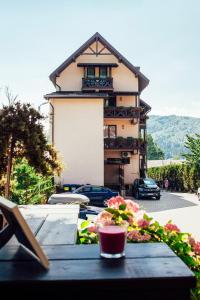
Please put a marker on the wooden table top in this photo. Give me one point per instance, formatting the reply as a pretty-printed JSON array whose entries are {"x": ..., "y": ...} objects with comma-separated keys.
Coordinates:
[
  {"x": 145, "y": 264},
  {"x": 51, "y": 224}
]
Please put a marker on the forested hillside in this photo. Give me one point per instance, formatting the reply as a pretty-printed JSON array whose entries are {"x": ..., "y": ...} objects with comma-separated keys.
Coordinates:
[{"x": 169, "y": 132}]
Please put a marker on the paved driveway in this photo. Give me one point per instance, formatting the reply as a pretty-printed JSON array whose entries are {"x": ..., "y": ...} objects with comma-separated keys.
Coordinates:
[
  {"x": 168, "y": 201},
  {"x": 182, "y": 208}
]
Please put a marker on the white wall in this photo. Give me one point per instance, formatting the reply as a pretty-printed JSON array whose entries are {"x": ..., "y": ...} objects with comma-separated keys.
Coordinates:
[{"x": 78, "y": 135}]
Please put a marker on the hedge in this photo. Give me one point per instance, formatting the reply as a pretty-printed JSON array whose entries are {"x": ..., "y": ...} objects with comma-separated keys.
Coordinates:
[{"x": 182, "y": 177}]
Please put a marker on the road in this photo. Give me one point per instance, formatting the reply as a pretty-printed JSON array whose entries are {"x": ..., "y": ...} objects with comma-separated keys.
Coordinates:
[{"x": 182, "y": 208}]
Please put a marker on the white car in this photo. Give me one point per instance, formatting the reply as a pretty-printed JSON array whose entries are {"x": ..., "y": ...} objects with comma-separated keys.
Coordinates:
[{"x": 68, "y": 198}]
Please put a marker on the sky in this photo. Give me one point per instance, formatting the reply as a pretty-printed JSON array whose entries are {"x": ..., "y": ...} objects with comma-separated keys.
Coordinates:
[{"x": 162, "y": 37}]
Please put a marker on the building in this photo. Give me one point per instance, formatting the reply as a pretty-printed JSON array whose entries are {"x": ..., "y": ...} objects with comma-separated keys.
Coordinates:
[{"x": 98, "y": 119}]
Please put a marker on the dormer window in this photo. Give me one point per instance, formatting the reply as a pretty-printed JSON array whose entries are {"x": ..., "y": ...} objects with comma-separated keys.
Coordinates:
[
  {"x": 97, "y": 76},
  {"x": 103, "y": 72},
  {"x": 90, "y": 72}
]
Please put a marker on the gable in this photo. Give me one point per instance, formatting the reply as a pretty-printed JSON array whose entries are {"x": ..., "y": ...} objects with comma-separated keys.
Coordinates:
[{"x": 97, "y": 46}]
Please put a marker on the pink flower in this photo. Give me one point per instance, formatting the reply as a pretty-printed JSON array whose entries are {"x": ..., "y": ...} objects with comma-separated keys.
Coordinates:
[
  {"x": 197, "y": 248},
  {"x": 191, "y": 241},
  {"x": 92, "y": 228},
  {"x": 143, "y": 223},
  {"x": 131, "y": 220},
  {"x": 115, "y": 202},
  {"x": 132, "y": 206},
  {"x": 136, "y": 236},
  {"x": 140, "y": 214},
  {"x": 105, "y": 218},
  {"x": 171, "y": 227}
]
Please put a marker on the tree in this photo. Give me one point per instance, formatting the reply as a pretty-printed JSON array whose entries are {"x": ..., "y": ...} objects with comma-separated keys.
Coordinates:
[
  {"x": 29, "y": 187},
  {"x": 21, "y": 136},
  {"x": 193, "y": 145},
  {"x": 153, "y": 150}
]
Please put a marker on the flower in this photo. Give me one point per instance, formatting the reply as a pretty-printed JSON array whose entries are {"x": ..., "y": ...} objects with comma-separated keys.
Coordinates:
[
  {"x": 143, "y": 223},
  {"x": 115, "y": 202},
  {"x": 140, "y": 214},
  {"x": 191, "y": 241},
  {"x": 132, "y": 206},
  {"x": 136, "y": 236},
  {"x": 171, "y": 227},
  {"x": 105, "y": 218},
  {"x": 92, "y": 228},
  {"x": 197, "y": 248},
  {"x": 131, "y": 220}
]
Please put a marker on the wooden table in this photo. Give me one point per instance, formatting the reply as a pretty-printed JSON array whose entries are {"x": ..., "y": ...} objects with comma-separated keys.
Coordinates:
[{"x": 149, "y": 271}]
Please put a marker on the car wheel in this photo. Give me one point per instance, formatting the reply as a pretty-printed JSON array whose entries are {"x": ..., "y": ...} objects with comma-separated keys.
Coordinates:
[{"x": 158, "y": 198}]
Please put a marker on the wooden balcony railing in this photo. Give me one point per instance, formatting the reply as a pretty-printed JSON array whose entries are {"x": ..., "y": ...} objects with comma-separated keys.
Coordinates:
[
  {"x": 120, "y": 143},
  {"x": 125, "y": 144},
  {"x": 122, "y": 112},
  {"x": 97, "y": 83}
]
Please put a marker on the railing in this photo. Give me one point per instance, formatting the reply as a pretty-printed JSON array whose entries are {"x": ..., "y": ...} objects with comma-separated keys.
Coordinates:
[
  {"x": 121, "y": 143},
  {"x": 127, "y": 144},
  {"x": 143, "y": 119},
  {"x": 122, "y": 112},
  {"x": 97, "y": 83}
]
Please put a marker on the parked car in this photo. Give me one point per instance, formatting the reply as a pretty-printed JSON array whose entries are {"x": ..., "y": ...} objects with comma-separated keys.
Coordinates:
[
  {"x": 71, "y": 187},
  {"x": 146, "y": 188},
  {"x": 97, "y": 194},
  {"x": 68, "y": 198}
]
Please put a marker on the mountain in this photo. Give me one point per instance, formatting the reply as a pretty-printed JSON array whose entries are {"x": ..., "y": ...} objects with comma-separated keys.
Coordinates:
[{"x": 169, "y": 132}]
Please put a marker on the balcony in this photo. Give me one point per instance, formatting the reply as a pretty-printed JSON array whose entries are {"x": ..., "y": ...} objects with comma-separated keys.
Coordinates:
[
  {"x": 122, "y": 112},
  {"x": 125, "y": 144},
  {"x": 97, "y": 83},
  {"x": 120, "y": 143}
]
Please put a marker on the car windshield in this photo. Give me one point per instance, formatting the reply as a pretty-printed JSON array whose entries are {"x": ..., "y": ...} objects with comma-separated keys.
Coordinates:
[
  {"x": 82, "y": 189},
  {"x": 147, "y": 181}
]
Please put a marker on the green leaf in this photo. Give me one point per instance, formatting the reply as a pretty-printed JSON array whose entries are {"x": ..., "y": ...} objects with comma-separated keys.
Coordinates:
[
  {"x": 85, "y": 224},
  {"x": 122, "y": 207},
  {"x": 124, "y": 216},
  {"x": 111, "y": 210}
]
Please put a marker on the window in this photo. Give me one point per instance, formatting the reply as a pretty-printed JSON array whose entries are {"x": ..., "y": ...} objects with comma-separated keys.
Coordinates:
[
  {"x": 83, "y": 189},
  {"x": 91, "y": 72},
  {"x": 110, "y": 131},
  {"x": 102, "y": 72},
  {"x": 97, "y": 189},
  {"x": 86, "y": 189}
]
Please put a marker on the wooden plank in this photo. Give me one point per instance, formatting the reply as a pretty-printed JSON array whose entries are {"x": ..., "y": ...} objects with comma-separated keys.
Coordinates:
[
  {"x": 58, "y": 229},
  {"x": 35, "y": 216},
  {"x": 34, "y": 223},
  {"x": 68, "y": 252},
  {"x": 169, "y": 272},
  {"x": 47, "y": 208}
]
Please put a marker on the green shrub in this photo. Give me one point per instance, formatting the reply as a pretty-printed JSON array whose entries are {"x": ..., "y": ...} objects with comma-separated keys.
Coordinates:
[
  {"x": 29, "y": 187},
  {"x": 185, "y": 176}
]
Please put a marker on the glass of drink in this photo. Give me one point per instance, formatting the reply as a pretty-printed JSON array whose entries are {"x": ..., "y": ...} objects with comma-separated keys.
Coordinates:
[{"x": 112, "y": 240}]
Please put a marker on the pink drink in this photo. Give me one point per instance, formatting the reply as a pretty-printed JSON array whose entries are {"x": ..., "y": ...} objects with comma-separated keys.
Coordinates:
[{"x": 112, "y": 239}]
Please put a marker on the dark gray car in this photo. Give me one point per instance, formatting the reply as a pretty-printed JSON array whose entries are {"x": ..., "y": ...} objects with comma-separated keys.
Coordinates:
[{"x": 145, "y": 188}]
